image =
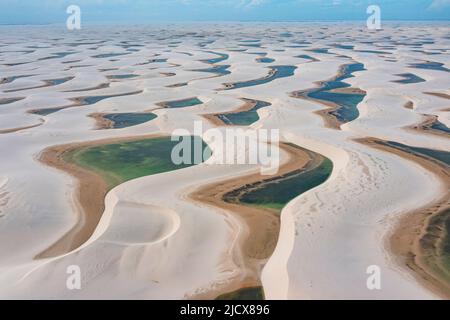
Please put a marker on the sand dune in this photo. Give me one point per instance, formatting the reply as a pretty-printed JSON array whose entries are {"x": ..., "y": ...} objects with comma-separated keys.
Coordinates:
[{"x": 170, "y": 235}]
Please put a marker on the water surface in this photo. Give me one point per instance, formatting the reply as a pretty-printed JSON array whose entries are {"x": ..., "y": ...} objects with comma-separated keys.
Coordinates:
[
  {"x": 409, "y": 78},
  {"x": 244, "y": 118},
  {"x": 430, "y": 66},
  {"x": 437, "y": 125},
  {"x": 347, "y": 102},
  {"x": 277, "y": 72},
  {"x": 124, "y": 161},
  {"x": 275, "y": 193},
  {"x": 182, "y": 103},
  {"x": 219, "y": 70},
  {"x": 124, "y": 120},
  {"x": 265, "y": 60}
]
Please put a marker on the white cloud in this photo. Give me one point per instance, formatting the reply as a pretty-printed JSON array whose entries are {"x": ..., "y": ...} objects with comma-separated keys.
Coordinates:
[
  {"x": 250, "y": 3},
  {"x": 254, "y": 3},
  {"x": 439, "y": 4}
]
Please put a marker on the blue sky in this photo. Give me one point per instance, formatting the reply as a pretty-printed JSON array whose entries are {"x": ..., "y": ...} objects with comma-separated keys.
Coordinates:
[{"x": 148, "y": 11}]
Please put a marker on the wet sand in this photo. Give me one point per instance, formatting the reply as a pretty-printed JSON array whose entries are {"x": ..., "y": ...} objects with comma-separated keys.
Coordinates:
[
  {"x": 348, "y": 91},
  {"x": 5, "y": 131},
  {"x": 408, "y": 240},
  {"x": 101, "y": 123},
  {"x": 167, "y": 104},
  {"x": 214, "y": 117},
  {"x": 260, "y": 226},
  {"x": 329, "y": 119},
  {"x": 81, "y": 101},
  {"x": 177, "y": 85},
  {"x": 168, "y": 74},
  {"x": 440, "y": 95},
  {"x": 426, "y": 127},
  {"x": 232, "y": 85},
  {"x": 46, "y": 84},
  {"x": 409, "y": 105},
  {"x": 10, "y": 100},
  {"x": 89, "y": 197},
  {"x": 100, "y": 86}
]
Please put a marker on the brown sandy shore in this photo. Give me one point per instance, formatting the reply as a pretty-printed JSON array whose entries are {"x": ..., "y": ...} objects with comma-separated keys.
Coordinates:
[
  {"x": 90, "y": 194},
  {"x": 348, "y": 91},
  {"x": 416, "y": 236},
  {"x": 231, "y": 85},
  {"x": 165, "y": 104},
  {"x": 10, "y": 100},
  {"x": 257, "y": 241},
  {"x": 409, "y": 105},
  {"x": 100, "y": 86},
  {"x": 101, "y": 123},
  {"x": 168, "y": 74},
  {"x": 255, "y": 244},
  {"x": 426, "y": 126},
  {"x": 81, "y": 101},
  {"x": 5, "y": 131},
  {"x": 46, "y": 83},
  {"x": 177, "y": 85},
  {"x": 327, "y": 114},
  {"x": 439, "y": 95},
  {"x": 214, "y": 117}
]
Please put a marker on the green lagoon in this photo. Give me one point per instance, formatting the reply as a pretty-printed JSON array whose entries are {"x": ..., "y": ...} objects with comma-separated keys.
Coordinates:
[
  {"x": 123, "y": 161},
  {"x": 275, "y": 193},
  {"x": 244, "y": 118}
]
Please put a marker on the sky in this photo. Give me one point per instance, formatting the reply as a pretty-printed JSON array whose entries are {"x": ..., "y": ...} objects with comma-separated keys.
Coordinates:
[{"x": 149, "y": 11}]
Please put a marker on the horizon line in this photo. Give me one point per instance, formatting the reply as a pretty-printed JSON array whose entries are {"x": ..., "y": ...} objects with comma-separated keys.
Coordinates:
[{"x": 218, "y": 21}]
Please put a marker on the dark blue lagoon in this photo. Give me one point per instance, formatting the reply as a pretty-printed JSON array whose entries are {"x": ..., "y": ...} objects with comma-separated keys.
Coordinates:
[
  {"x": 437, "y": 125},
  {"x": 440, "y": 156},
  {"x": 219, "y": 70},
  {"x": 347, "y": 102},
  {"x": 222, "y": 57},
  {"x": 80, "y": 101},
  {"x": 430, "y": 66},
  {"x": 409, "y": 78},
  {"x": 265, "y": 60},
  {"x": 277, "y": 72}
]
